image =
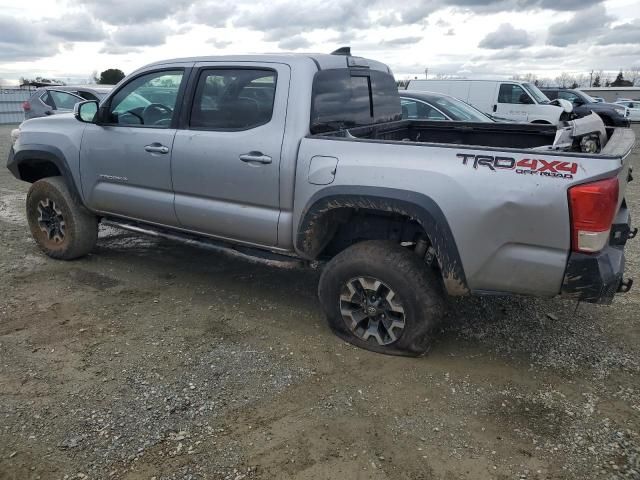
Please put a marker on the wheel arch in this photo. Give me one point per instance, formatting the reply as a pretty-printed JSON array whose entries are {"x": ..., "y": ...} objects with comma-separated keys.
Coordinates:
[
  {"x": 315, "y": 229},
  {"x": 36, "y": 162}
]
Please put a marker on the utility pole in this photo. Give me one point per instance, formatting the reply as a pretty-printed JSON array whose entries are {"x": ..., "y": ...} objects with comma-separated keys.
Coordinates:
[
  {"x": 426, "y": 73},
  {"x": 591, "y": 79}
]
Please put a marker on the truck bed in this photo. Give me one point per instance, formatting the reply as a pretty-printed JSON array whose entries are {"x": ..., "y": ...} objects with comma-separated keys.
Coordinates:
[{"x": 495, "y": 135}]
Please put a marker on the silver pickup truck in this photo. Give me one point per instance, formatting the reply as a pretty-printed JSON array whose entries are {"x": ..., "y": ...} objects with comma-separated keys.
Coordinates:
[{"x": 306, "y": 156}]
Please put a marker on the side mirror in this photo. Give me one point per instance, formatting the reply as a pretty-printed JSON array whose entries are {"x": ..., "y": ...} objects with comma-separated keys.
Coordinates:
[
  {"x": 566, "y": 105},
  {"x": 86, "y": 111}
]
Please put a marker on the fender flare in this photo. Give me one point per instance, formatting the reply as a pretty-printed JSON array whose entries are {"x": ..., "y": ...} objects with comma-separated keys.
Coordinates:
[
  {"x": 419, "y": 207},
  {"x": 47, "y": 153}
]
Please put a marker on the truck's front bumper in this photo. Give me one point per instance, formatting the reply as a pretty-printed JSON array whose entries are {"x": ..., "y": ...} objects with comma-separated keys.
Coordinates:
[
  {"x": 11, "y": 163},
  {"x": 596, "y": 278}
]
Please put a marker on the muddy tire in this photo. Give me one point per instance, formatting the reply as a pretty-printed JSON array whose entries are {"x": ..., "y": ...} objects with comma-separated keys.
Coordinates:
[
  {"x": 382, "y": 297},
  {"x": 61, "y": 227}
]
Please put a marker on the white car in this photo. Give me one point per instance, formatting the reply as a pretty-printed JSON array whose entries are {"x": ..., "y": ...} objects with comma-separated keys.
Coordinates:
[{"x": 633, "y": 107}]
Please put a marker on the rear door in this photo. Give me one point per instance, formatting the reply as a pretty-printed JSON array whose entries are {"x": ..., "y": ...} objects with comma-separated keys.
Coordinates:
[{"x": 226, "y": 156}]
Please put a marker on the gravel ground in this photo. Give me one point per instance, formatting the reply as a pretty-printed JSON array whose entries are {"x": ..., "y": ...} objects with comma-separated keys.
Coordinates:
[{"x": 150, "y": 359}]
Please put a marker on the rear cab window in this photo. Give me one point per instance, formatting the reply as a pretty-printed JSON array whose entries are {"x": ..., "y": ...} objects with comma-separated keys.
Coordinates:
[{"x": 345, "y": 98}]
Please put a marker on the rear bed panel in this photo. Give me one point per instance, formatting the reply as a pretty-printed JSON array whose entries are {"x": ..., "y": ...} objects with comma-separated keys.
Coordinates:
[{"x": 508, "y": 214}]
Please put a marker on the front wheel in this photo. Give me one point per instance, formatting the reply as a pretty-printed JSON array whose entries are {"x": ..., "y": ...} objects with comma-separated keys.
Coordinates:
[
  {"x": 61, "y": 227},
  {"x": 382, "y": 297}
]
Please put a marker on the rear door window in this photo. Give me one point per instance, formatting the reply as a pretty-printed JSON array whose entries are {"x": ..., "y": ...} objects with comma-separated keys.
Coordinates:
[
  {"x": 233, "y": 99},
  {"x": 62, "y": 100},
  {"x": 412, "y": 109}
]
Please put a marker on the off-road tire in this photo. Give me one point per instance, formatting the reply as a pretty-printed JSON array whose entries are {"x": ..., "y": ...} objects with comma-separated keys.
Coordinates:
[
  {"x": 418, "y": 287},
  {"x": 79, "y": 232}
]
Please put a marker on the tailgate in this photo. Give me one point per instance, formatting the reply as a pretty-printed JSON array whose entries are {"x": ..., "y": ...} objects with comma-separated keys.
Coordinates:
[{"x": 621, "y": 145}]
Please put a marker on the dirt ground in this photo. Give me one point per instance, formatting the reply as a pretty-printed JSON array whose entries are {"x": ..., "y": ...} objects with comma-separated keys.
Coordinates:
[{"x": 150, "y": 359}]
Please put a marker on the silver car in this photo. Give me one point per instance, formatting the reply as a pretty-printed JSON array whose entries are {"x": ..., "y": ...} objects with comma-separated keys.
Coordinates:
[{"x": 61, "y": 99}]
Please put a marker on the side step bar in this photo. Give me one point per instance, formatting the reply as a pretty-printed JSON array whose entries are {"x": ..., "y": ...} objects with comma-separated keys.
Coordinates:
[{"x": 250, "y": 254}]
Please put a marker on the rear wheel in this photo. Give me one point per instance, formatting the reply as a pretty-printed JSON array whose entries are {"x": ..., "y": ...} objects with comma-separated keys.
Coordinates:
[
  {"x": 380, "y": 296},
  {"x": 61, "y": 228}
]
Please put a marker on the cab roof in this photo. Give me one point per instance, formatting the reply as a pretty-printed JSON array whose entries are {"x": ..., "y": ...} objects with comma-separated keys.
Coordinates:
[{"x": 323, "y": 61}]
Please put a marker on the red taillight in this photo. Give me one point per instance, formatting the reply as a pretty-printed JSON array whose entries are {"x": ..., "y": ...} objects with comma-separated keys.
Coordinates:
[
  {"x": 593, "y": 207},
  {"x": 26, "y": 106}
]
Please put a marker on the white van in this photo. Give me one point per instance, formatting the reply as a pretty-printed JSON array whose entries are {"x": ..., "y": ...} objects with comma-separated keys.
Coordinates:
[{"x": 510, "y": 99}]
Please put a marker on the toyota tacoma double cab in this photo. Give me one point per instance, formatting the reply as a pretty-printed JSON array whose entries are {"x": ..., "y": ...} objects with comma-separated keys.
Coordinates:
[{"x": 307, "y": 156}]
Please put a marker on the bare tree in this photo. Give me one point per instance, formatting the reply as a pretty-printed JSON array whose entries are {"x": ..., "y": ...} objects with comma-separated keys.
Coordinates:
[
  {"x": 564, "y": 80},
  {"x": 633, "y": 75}
]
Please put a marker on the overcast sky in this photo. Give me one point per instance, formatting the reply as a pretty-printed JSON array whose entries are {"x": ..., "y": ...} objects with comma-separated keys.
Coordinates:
[{"x": 69, "y": 39}]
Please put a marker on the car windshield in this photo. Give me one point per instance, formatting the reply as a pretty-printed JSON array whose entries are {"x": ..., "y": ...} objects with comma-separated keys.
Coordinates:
[
  {"x": 535, "y": 93},
  {"x": 458, "y": 110}
]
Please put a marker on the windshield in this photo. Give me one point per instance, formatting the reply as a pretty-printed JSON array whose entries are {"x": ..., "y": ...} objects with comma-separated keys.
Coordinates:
[
  {"x": 535, "y": 93},
  {"x": 458, "y": 110}
]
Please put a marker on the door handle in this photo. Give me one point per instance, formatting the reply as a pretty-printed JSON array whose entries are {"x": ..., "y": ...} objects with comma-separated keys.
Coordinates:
[
  {"x": 495, "y": 107},
  {"x": 156, "y": 148},
  {"x": 255, "y": 157}
]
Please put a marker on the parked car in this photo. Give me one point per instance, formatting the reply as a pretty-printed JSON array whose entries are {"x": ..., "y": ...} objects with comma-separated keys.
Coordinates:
[
  {"x": 437, "y": 106},
  {"x": 633, "y": 107},
  {"x": 510, "y": 99},
  {"x": 611, "y": 113},
  {"x": 306, "y": 157},
  {"x": 61, "y": 99}
]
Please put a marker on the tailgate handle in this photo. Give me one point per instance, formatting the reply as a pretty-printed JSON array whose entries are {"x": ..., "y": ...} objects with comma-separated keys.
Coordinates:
[{"x": 255, "y": 157}]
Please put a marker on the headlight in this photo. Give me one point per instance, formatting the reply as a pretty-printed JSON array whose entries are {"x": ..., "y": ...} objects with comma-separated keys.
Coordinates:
[{"x": 15, "y": 133}]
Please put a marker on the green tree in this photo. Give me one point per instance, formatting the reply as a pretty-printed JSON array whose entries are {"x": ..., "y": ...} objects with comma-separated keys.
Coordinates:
[
  {"x": 596, "y": 81},
  {"x": 111, "y": 76}
]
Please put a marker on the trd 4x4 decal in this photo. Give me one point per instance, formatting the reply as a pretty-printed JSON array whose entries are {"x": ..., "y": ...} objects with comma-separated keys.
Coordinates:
[{"x": 526, "y": 166}]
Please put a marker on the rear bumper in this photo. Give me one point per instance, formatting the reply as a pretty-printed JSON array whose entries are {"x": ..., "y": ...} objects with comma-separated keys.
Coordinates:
[{"x": 596, "y": 278}]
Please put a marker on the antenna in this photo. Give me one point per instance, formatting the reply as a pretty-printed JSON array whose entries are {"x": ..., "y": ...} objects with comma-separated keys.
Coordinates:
[{"x": 342, "y": 51}]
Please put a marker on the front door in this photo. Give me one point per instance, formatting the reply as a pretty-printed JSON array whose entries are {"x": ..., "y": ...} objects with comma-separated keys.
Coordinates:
[
  {"x": 513, "y": 102},
  {"x": 226, "y": 161},
  {"x": 125, "y": 163}
]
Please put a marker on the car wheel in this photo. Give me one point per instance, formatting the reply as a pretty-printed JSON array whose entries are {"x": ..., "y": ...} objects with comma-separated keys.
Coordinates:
[
  {"x": 382, "y": 297},
  {"x": 61, "y": 227}
]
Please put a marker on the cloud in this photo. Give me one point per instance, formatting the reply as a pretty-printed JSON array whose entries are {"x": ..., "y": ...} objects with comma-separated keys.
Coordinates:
[
  {"x": 506, "y": 36},
  {"x": 75, "y": 28},
  {"x": 149, "y": 36},
  {"x": 283, "y": 20},
  {"x": 131, "y": 38},
  {"x": 627, "y": 33},
  {"x": 22, "y": 41},
  {"x": 133, "y": 12},
  {"x": 213, "y": 14},
  {"x": 219, "y": 43},
  {"x": 583, "y": 26},
  {"x": 295, "y": 42},
  {"x": 394, "y": 42}
]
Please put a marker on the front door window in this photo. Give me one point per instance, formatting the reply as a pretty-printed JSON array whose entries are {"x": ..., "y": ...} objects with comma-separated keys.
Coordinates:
[{"x": 147, "y": 101}]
